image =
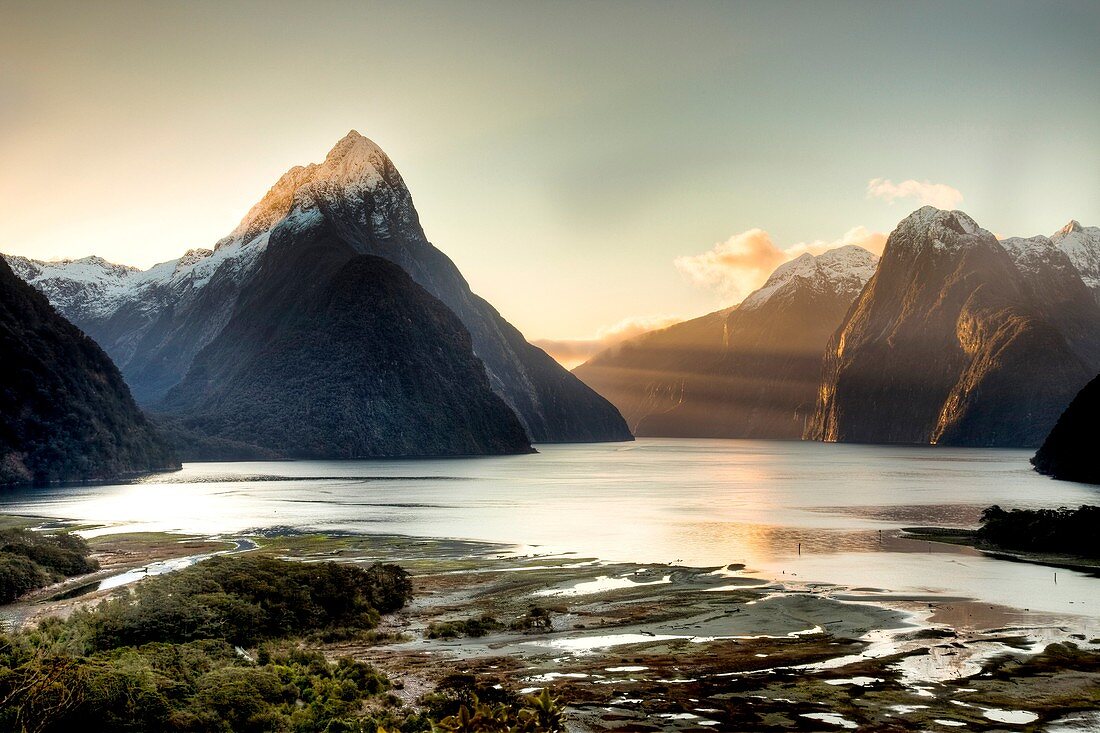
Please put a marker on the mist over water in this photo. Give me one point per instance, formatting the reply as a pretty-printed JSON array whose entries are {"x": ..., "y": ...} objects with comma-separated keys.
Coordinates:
[{"x": 796, "y": 511}]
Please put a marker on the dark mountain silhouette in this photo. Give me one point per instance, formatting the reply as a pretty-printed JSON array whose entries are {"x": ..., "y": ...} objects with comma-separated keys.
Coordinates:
[
  {"x": 65, "y": 411},
  {"x": 333, "y": 354},
  {"x": 1069, "y": 452},
  {"x": 155, "y": 322}
]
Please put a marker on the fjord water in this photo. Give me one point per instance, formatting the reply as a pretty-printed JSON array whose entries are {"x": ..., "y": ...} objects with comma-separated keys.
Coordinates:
[{"x": 794, "y": 511}]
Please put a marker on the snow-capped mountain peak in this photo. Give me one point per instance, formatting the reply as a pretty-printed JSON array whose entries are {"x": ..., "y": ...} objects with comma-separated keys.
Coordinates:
[
  {"x": 354, "y": 160},
  {"x": 841, "y": 270},
  {"x": 1082, "y": 245},
  {"x": 843, "y": 262},
  {"x": 354, "y": 170},
  {"x": 946, "y": 231},
  {"x": 1070, "y": 228},
  {"x": 1032, "y": 255}
]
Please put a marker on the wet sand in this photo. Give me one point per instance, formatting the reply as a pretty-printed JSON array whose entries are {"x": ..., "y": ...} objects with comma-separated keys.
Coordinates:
[
  {"x": 714, "y": 648},
  {"x": 669, "y": 647}
]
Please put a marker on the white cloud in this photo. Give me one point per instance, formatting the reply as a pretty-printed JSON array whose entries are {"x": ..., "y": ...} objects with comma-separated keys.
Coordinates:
[
  {"x": 734, "y": 267},
  {"x": 939, "y": 195},
  {"x": 573, "y": 352},
  {"x": 860, "y": 236},
  {"x": 741, "y": 264}
]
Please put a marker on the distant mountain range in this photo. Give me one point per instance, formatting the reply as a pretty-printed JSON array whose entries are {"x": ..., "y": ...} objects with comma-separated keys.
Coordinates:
[
  {"x": 65, "y": 412},
  {"x": 746, "y": 372},
  {"x": 952, "y": 338},
  {"x": 326, "y": 325},
  {"x": 959, "y": 339},
  {"x": 184, "y": 333}
]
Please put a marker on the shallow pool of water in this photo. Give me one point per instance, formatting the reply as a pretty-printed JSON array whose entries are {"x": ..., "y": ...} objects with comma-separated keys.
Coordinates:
[{"x": 789, "y": 510}]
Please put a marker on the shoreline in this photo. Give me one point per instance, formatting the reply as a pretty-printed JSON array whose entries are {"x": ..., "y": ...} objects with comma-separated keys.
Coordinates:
[
  {"x": 691, "y": 647},
  {"x": 968, "y": 538}
]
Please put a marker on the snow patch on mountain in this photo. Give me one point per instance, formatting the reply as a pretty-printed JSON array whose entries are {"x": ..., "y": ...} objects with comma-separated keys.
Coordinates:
[
  {"x": 945, "y": 231},
  {"x": 86, "y": 285},
  {"x": 842, "y": 270},
  {"x": 1034, "y": 255},
  {"x": 1082, "y": 245},
  {"x": 92, "y": 287},
  {"x": 355, "y": 172}
]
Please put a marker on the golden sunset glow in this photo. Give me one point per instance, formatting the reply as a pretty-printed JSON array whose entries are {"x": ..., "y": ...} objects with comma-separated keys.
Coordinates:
[{"x": 553, "y": 149}]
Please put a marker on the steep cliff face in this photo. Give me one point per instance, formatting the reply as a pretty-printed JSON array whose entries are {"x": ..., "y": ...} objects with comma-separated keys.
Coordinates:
[
  {"x": 951, "y": 342},
  {"x": 361, "y": 196},
  {"x": 155, "y": 322},
  {"x": 747, "y": 372},
  {"x": 1058, "y": 293},
  {"x": 151, "y": 322},
  {"x": 1082, "y": 245},
  {"x": 65, "y": 412},
  {"x": 1069, "y": 452},
  {"x": 333, "y": 354}
]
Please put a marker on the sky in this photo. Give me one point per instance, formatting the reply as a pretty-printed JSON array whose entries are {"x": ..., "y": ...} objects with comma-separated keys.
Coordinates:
[{"x": 594, "y": 169}]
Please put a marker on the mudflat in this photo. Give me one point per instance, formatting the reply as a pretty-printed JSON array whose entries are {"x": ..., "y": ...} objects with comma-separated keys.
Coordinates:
[{"x": 659, "y": 647}]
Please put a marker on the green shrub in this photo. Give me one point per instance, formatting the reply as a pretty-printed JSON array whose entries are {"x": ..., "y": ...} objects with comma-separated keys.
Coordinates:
[
  {"x": 31, "y": 560},
  {"x": 163, "y": 658},
  {"x": 475, "y": 627},
  {"x": 537, "y": 618},
  {"x": 1069, "y": 531},
  {"x": 245, "y": 599},
  {"x": 19, "y": 575}
]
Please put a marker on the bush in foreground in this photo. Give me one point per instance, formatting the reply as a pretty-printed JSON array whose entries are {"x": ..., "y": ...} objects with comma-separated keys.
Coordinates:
[
  {"x": 32, "y": 560},
  {"x": 169, "y": 657},
  {"x": 245, "y": 599}
]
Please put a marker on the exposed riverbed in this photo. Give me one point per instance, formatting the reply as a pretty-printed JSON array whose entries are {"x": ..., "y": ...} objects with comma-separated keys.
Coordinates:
[{"x": 691, "y": 584}]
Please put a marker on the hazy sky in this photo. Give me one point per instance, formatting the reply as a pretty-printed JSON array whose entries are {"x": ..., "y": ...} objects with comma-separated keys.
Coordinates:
[{"x": 579, "y": 161}]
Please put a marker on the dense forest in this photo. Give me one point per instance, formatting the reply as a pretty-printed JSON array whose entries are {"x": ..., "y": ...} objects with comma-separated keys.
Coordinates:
[
  {"x": 65, "y": 412},
  {"x": 31, "y": 560},
  {"x": 230, "y": 646},
  {"x": 1067, "y": 531}
]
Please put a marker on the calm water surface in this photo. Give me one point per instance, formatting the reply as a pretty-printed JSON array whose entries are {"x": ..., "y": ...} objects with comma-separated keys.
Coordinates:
[{"x": 788, "y": 510}]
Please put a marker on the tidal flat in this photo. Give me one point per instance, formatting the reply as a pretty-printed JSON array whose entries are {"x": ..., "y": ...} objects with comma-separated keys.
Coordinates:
[{"x": 632, "y": 647}]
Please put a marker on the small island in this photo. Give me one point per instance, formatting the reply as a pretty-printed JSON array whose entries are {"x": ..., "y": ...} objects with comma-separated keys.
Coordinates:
[{"x": 1060, "y": 537}]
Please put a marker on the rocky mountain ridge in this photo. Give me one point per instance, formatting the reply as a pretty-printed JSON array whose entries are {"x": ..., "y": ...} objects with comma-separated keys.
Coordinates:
[
  {"x": 750, "y": 371},
  {"x": 958, "y": 339},
  {"x": 953, "y": 337},
  {"x": 65, "y": 412},
  {"x": 1082, "y": 245},
  {"x": 154, "y": 323}
]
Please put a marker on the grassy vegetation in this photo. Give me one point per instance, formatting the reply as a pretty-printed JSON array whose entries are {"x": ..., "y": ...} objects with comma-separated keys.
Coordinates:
[
  {"x": 31, "y": 560},
  {"x": 535, "y": 619},
  {"x": 463, "y": 704},
  {"x": 536, "y": 713},
  {"x": 475, "y": 627},
  {"x": 228, "y": 646},
  {"x": 245, "y": 600}
]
